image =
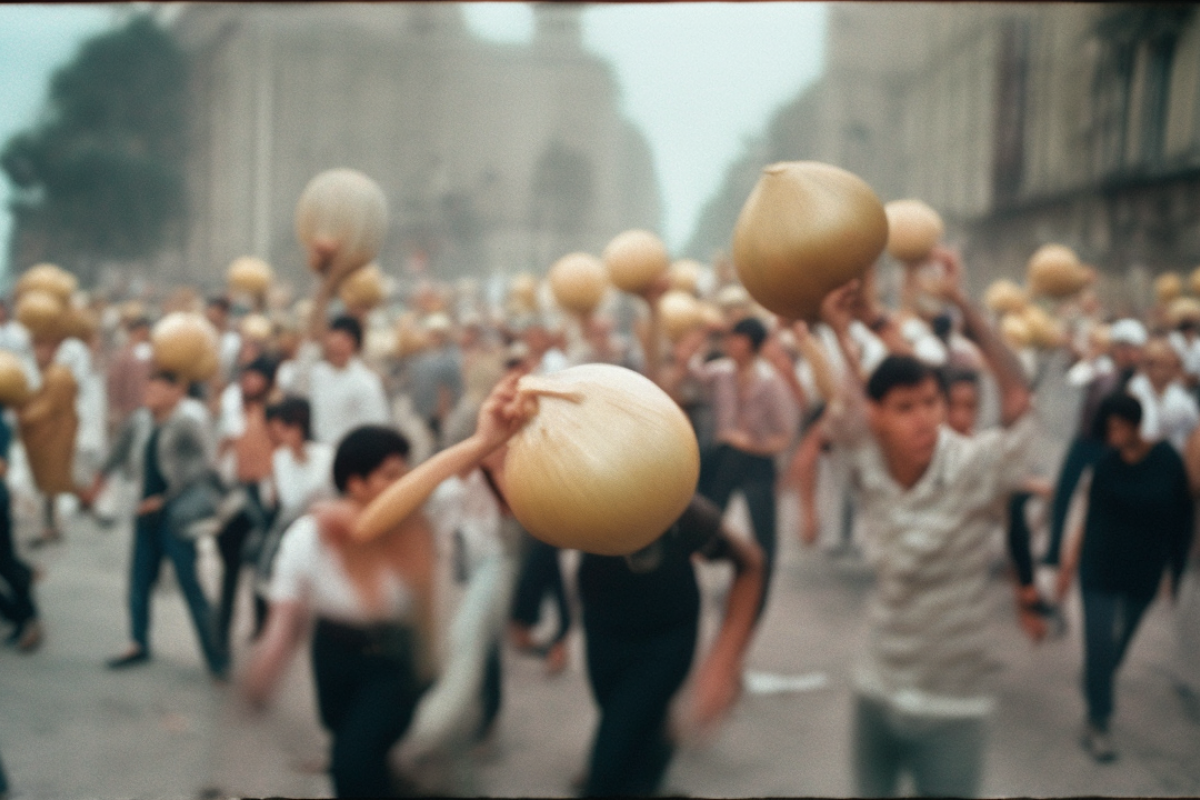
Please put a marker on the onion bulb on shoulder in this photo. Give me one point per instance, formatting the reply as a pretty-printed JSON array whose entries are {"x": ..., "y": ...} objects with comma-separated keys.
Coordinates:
[
  {"x": 806, "y": 229},
  {"x": 606, "y": 465}
]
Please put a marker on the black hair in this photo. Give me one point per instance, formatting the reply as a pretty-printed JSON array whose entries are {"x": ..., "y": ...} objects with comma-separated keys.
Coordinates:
[
  {"x": 363, "y": 450},
  {"x": 1120, "y": 405},
  {"x": 959, "y": 375},
  {"x": 753, "y": 328},
  {"x": 294, "y": 412},
  {"x": 167, "y": 376},
  {"x": 349, "y": 326},
  {"x": 901, "y": 371},
  {"x": 263, "y": 365},
  {"x": 942, "y": 326},
  {"x": 221, "y": 302}
]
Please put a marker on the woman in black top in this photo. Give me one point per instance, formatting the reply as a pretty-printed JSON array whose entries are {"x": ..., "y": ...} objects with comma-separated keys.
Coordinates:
[{"x": 1139, "y": 520}]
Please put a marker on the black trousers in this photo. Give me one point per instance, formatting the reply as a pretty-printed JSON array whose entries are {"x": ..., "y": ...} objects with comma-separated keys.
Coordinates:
[
  {"x": 367, "y": 691},
  {"x": 724, "y": 470},
  {"x": 633, "y": 680},
  {"x": 16, "y": 591},
  {"x": 540, "y": 575},
  {"x": 247, "y": 527}
]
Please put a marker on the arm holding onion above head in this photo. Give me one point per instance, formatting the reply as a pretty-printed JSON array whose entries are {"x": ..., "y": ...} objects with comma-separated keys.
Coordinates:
[
  {"x": 503, "y": 413},
  {"x": 846, "y": 410}
]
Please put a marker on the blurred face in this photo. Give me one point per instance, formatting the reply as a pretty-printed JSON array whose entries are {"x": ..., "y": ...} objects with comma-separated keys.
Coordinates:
[
  {"x": 1125, "y": 356},
  {"x": 739, "y": 347},
  {"x": 282, "y": 434},
  {"x": 905, "y": 422},
  {"x": 254, "y": 385},
  {"x": 364, "y": 490},
  {"x": 1161, "y": 364},
  {"x": 1120, "y": 433},
  {"x": 161, "y": 396},
  {"x": 962, "y": 407},
  {"x": 339, "y": 348},
  {"x": 43, "y": 352}
]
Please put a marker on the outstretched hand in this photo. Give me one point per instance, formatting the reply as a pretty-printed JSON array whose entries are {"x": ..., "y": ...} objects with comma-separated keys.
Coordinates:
[{"x": 840, "y": 307}]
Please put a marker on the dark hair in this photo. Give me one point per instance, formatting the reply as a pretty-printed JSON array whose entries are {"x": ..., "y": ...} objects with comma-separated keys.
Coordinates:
[
  {"x": 942, "y": 326},
  {"x": 363, "y": 450},
  {"x": 263, "y": 365},
  {"x": 349, "y": 326},
  {"x": 959, "y": 375},
  {"x": 901, "y": 371},
  {"x": 1118, "y": 404},
  {"x": 167, "y": 376},
  {"x": 295, "y": 412},
  {"x": 221, "y": 302},
  {"x": 753, "y": 328}
]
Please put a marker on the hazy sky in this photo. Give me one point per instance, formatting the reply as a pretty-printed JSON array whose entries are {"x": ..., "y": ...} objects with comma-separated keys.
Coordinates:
[{"x": 697, "y": 78}]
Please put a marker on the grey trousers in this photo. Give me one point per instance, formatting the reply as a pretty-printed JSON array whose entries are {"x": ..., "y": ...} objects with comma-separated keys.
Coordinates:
[{"x": 944, "y": 757}]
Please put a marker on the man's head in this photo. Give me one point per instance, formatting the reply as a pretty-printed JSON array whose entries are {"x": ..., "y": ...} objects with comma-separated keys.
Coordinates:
[
  {"x": 1126, "y": 338},
  {"x": 962, "y": 400},
  {"x": 217, "y": 311},
  {"x": 164, "y": 391},
  {"x": 1119, "y": 416},
  {"x": 289, "y": 422},
  {"x": 368, "y": 460},
  {"x": 343, "y": 340},
  {"x": 907, "y": 406},
  {"x": 138, "y": 329},
  {"x": 1161, "y": 363},
  {"x": 256, "y": 379},
  {"x": 745, "y": 339}
]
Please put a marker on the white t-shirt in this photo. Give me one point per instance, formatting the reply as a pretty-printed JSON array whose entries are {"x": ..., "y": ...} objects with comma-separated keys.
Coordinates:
[
  {"x": 298, "y": 484},
  {"x": 309, "y": 571},
  {"x": 344, "y": 399},
  {"x": 1171, "y": 416}
]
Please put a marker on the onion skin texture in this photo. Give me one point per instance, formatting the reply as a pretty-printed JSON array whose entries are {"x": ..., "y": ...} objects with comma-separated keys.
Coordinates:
[
  {"x": 806, "y": 229},
  {"x": 606, "y": 472},
  {"x": 363, "y": 288},
  {"x": 49, "y": 278},
  {"x": 578, "y": 282},
  {"x": 1005, "y": 297},
  {"x": 1054, "y": 270},
  {"x": 346, "y": 208},
  {"x": 14, "y": 383},
  {"x": 42, "y": 313},
  {"x": 635, "y": 259},
  {"x": 914, "y": 229}
]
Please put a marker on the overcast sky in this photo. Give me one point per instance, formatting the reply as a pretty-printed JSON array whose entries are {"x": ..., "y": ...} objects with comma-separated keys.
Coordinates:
[{"x": 697, "y": 78}]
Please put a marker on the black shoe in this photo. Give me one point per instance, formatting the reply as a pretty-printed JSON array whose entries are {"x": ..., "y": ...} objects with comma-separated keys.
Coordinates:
[{"x": 128, "y": 659}]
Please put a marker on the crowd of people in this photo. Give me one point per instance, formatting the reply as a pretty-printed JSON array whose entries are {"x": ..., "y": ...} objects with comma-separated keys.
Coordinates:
[{"x": 907, "y": 429}]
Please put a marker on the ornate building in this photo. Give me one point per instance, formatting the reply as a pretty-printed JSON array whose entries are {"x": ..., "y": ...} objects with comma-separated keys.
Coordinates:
[
  {"x": 1022, "y": 123},
  {"x": 495, "y": 158}
]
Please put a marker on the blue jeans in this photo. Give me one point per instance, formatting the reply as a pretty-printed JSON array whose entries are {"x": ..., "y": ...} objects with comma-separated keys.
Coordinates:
[
  {"x": 152, "y": 541},
  {"x": 1110, "y": 619}
]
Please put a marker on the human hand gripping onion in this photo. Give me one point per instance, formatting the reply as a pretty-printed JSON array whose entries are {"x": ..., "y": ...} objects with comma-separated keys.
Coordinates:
[{"x": 599, "y": 459}]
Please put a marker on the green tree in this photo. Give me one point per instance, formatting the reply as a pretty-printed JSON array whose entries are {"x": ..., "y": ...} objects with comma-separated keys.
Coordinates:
[{"x": 100, "y": 175}]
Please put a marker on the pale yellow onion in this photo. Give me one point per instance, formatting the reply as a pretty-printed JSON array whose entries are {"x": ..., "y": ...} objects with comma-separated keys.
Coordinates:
[
  {"x": 606, "y": 464},
  {"x": 523, "y": 291},
  {"x": 733, "y": 296},
  {"x": 250, "y": 275},
  {"x": 1183, "y": 309},
  {"x": 1004, "y": 297},
  {"x": 1044, "y": 331},
  {"x": 711, "y": 315},
  {"x": 364, "y": 288},
  {"x": 635, "y": 259},
  {"x": 578, "y": 282},
  {"x": 42, "y": 313},
  {"x": 679, "y": 312},
  {"x": 914, "y": 229},
  {"x": 806, "y": 229},
  {"x": 684, "y": 275},
  {"x": 1015, "y": 330},
  {"x": 186, "y": 343},
  {"x": 1054, "y": 270},
  {"x": 48, "y": 278},
  {"x": 14, "y": 382},
  {"x": 345, "y": 208},
  {"x": 80, "y": 322},
  {"x": 256, "y": 328}
]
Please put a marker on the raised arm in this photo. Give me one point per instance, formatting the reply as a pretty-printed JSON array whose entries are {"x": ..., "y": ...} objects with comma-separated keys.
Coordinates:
[{"x": 1010, "y": 378}]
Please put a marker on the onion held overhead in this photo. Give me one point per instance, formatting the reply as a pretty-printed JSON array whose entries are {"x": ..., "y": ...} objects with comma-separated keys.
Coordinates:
[{"x": 606, "y": 465}]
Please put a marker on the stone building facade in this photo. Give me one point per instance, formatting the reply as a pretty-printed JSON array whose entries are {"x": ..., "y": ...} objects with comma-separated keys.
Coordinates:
[
  {"x": 1021, "y": 123},
  {"x": 495, "y": 158}
]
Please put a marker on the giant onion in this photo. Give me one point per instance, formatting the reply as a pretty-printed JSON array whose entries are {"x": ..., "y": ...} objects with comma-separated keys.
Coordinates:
[
  {"x": 42, "y": 313},
  {"x": 48, "y": 278},
  {"x": 186, "y": 344},
  {"x": 1054, "y": 270},
  {"x": 250, "y": 275},
  {"x": 346, "y": 209},
  {"x": 14, "y": 382},
  {"x": 806, "y": 229},
  {"x": 364, "y": 288},
  {"x": 914, "y": 229},
  {"x": 1167, "y": 287},
  {"x": 607, "y": 463},
  {"x": 679, "y": 312},
  {"x": 578, "y": 281},
  {"x": 635, "y": 259},
  {"x": 1005, "y": 297}
]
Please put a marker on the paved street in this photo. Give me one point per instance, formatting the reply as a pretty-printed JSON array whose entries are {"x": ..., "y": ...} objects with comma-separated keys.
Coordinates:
[{"x": 71, "y": 729}]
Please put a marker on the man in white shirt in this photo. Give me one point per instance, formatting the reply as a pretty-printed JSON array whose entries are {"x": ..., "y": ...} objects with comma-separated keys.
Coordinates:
[
  {"x": 1169, "y": 410},
  {"x": 927, "y": 496}
]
